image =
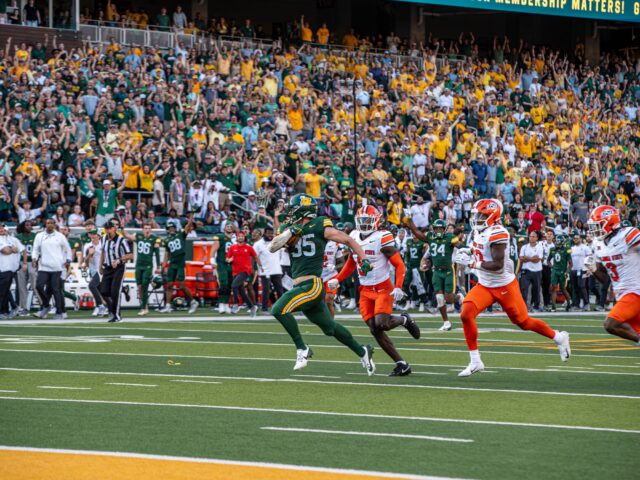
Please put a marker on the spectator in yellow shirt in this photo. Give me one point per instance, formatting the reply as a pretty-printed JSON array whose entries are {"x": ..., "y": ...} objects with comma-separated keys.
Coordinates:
[
  {"x": 350, "y": 39},
  {"x": 323, "y": 34},
  {"x": 306, "y": 35},
  {"x": 456, "y": 177},
  {"x": 441, "y": 147},
  {"x": 312, "y": 181},
  {"x": 394, "y": 209}
]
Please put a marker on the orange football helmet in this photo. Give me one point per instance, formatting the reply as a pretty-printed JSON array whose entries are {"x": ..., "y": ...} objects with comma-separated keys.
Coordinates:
[
  {"x": 367, "y": 219},
  {"x": 603, "y": 221},
  {"x": 485, "y": 213}
]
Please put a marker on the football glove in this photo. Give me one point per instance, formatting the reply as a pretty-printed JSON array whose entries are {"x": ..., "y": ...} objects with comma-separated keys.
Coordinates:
[
  {"x": 366, "y": 266},
  {"x": 463, "y": 257},
  {"x": 333, "y": 284},
  {"x": 397, "y": 294},
  {"x": 296, "y": 230},
  {"x": 590, "y": 264}
]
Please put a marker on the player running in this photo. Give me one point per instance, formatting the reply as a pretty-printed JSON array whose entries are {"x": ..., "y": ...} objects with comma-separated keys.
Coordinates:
[
  {"x": 221, "y": 243},
  {"x": 305, "y": 237},
  {"x": 496, "y": 283},
  {"x": 377, "y": 293},
  {"x": 559, "y": 259},
  {"x": 331, "y": 253},
  {"x": 146, "y": 248},
  {"x": 414, "y": 279},
  {"x": 440, "y": 246},
  {"x": 174, "y": 264},
  {"x": 617, "y": 254}
]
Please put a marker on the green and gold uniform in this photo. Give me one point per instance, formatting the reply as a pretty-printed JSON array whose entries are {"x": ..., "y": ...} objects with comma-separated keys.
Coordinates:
[
  {"x": 176, "y": 245},
  {"x": 307, "y": 258},
  {"x": 412, "y": 258},
  {"x": 27, "y": 240},
  {"x": 146, "y": 248},
  {"x": 224, "y": 269},
  {"x": 440, "y": 250},
  {"x": 559, "y": 260}
]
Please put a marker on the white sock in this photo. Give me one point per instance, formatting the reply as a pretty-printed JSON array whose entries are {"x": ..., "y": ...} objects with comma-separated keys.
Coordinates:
[
  {"x": 475, "y": 356},
  {"x": 555, "y": 337}
]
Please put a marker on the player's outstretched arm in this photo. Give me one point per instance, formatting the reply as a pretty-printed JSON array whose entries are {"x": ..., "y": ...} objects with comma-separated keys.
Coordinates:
[
  {"x": 417, "y": 233},
  {"x": 337, "y": 236}
]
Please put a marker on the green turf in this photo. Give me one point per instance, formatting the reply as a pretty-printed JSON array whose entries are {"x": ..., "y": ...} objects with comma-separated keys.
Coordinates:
[{"x": 247, "y": 365}]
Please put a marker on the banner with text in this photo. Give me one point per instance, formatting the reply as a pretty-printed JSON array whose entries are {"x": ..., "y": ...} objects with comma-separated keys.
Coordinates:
[{"x": 621, "y": 10}]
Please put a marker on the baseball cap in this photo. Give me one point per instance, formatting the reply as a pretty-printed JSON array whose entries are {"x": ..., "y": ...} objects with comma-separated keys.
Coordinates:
[{"x": 106, "y": 182}]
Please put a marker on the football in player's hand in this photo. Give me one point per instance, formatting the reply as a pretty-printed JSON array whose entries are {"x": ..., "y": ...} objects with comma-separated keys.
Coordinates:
[{"x": 293, "y": 240}]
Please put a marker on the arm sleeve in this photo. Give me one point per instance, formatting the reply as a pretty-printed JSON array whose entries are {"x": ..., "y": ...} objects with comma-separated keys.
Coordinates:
[
  {"x": 347, "y": 270},
  {"x": 398, "y": 264}
]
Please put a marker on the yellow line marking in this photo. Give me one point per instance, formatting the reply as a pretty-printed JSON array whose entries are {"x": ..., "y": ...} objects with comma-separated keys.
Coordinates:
[{"x": 17, "y": 463}]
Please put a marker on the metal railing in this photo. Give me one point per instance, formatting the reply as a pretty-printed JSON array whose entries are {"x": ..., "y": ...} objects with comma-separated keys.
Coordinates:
[{"x": 128, "y": 36}]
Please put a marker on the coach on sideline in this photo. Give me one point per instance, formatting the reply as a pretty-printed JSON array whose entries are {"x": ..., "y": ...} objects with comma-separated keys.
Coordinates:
[
  {"x": 10, "y": 248},
  {"x": 51, "y": 255},
  {"x": 115, "y": 253}
]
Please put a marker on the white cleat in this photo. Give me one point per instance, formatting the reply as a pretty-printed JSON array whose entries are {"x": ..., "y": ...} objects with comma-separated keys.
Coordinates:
[
  {"x": 302, "y": 358},
  {"x": 446, "y": 326},
  {"x": 193, "y": 306},
  {"x": 472, "y": 368},
  {"x": 367, "y": 360},
  {"x": 143, "y": 312},
  {"x": 166, "y": 309},
  {"x": 96, "y": 312},
  {"x": 563, "y": 346},
  {"x": 421, "y": 307}
]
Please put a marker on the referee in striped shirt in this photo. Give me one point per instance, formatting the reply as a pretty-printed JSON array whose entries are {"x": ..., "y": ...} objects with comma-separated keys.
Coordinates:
[{"x": 113, "y": 257}]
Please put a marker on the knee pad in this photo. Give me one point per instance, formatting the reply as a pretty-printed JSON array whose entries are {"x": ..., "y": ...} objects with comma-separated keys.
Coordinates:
[{"x": 440, "y": 300}]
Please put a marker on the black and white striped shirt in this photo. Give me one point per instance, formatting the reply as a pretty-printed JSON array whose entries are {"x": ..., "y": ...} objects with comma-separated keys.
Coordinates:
[{"x": 113, "y": 249}]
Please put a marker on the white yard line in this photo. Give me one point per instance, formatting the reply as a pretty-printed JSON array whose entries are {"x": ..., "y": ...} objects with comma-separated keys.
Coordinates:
[
  {"x": 330, "y": 414},
  {"x": 617, "y": 366},
  {"x": 312, "y": 376},
  {"x": 357, "y": 384},
  {"x": 369, "y": 434},
  {"x": 8, "y": 391},
  {"x": 131, "y": 384},
  {"x": 228, "y": 462},
  {"x": 197, "y": 381},
  {"x": 55, "y": 387},
  {"x": 273, "y": 359}
]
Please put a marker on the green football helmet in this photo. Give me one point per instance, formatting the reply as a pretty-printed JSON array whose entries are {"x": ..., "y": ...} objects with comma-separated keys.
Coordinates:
[
  {"x": 301, "y": 206},
  {"x": 156, "y": 282},
  {"x": 561, "y": 240},
  {"x": 439, "y": 224},
  {"x": 179, "y": 302},
  {"x": 626, "y": 223}
]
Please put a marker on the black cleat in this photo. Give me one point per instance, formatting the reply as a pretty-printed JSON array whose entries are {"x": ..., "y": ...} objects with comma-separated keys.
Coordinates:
[
  {"x": 401, "y": 370},
  {"x": 125, "y": 290},
  {"x": 411, "y": 325},
  {"x": 114, "y": 319}
]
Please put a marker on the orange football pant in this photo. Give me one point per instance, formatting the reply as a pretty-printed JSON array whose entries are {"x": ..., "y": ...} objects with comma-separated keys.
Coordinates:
[
  {"x": 510, "y": 299},
  {"x": 376, "y": 299},
  {"x": 627, "y": 310}
]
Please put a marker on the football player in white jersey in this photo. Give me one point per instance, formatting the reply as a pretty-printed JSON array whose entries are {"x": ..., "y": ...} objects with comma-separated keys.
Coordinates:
[
  {"x": 617, "y": 254},
  {"x": 377, "y": 293},
  {"x": 331, "y": 253},
  {"x": 489, "y": 257}
]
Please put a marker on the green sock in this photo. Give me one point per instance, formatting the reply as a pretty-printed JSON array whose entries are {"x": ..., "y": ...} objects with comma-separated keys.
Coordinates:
[
  {"x": 69, "y": 295},
  {"x": 344, "y": 336},
  {"x": 290, "y": 324},
  {"x": 144, "y": 295}
]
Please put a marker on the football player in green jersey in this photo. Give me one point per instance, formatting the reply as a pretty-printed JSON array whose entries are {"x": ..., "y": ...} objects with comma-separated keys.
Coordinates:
[
  {"x": 174, "y": 264},
  {"x": 560, "y": 261},
  {"x": 305, "y": 235},
  {"x": 414, "y": 283},
  {"x": 26, "y": 275},
  {"x": 440, "y": 245},
  {"x": 221, "y": 243},
  {"x": 147, "y": 247}
]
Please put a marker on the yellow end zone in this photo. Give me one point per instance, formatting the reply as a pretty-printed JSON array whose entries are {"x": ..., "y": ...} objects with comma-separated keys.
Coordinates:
[{"x": 18, "y": 463}]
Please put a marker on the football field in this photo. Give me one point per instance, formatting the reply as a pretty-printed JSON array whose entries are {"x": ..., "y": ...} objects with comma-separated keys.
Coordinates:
[{"x": 215, "y": 397}]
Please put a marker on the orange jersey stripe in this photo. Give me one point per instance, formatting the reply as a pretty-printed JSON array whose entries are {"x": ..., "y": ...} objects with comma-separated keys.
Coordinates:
[
  {"x": 633, "y": 237},
  {"x": 498, "y": 236},
  {"x": 387, "y": 239}
]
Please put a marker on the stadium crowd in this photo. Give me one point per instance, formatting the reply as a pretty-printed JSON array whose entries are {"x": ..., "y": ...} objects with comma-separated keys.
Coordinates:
[{"x": 224, "y": 133}]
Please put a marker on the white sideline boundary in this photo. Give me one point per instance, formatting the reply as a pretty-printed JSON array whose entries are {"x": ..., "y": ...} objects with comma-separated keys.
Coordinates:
[
  {"x": 266, "y": 318},
  {"x": 369, "y": 434},
  {"x": 329, "y": 413},
  {"x": 225, "y": 462},
  {"x": 333, "y": 382}
]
